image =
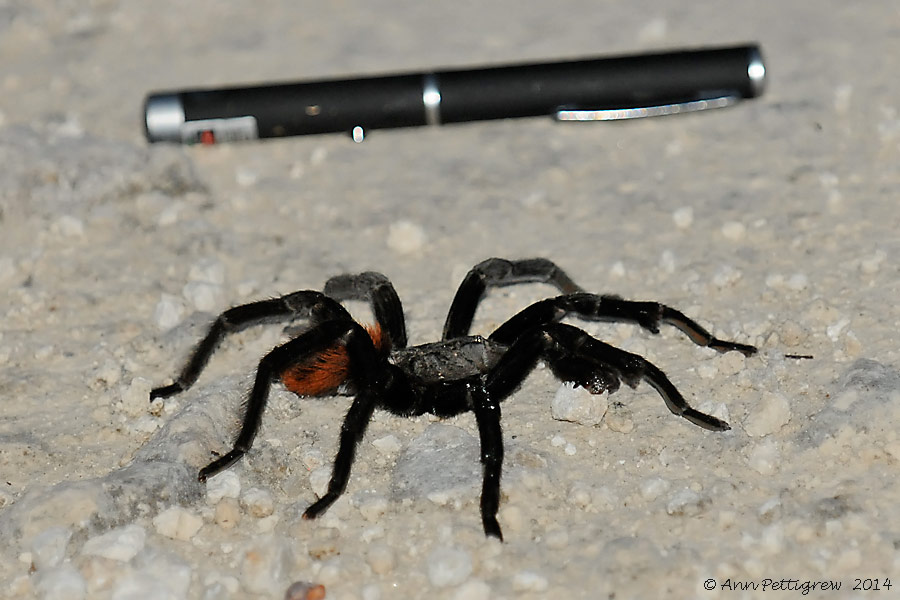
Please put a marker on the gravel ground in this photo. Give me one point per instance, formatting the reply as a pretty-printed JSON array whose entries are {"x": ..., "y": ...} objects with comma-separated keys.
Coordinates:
[{"x": 773, "y": 223}]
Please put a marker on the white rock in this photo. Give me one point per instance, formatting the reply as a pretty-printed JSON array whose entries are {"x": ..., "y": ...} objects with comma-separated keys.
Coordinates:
[
  {"x": 686, "y": 503},
  {"x": 319, "y": 479},
  {"x": 121, "y": 544},
  {"x": 473, "y": 589},
  {"x": 372, "y": 506},
  {"x": 168, "y": 312},
  {"x": 266, "y": 564},
  {"x": 765, "y": 456},
  {"x": 48, "y": 548},
  {"x": 653, "y": 487},
  {"x": 62, "y": 581},
  {"x": 177, "y": 523},
  {"x": 448, "y": 566},
  {"x": 577, "y": 405},
  {"x": 387, "y": 445},
  {"x": 770, "y": 414},
  {"x": 258, "y": 503},
  {"x": 529, "y": 581},
  {"x": 223, "y": 485},
  {"x": 381, "y": 558},
  {"x": 683, "y": 217},
  {"x": 140, "y": 585},
  {"x": 405, "y": 237},
  {"x": 136, "y": 397},
  {"x": 206, "y": 297},
  {"x": 619, "y": 418}
]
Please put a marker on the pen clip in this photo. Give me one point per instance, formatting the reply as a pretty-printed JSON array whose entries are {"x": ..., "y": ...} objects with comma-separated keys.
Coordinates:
[{"x": 639, "y": 112}]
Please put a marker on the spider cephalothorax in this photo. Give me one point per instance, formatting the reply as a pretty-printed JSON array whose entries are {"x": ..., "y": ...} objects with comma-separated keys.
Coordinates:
[{"x": 458, "y": 374}]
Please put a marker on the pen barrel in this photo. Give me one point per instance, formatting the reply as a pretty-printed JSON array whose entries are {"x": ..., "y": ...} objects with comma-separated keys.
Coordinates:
[
  {"x": 598, "y": 84},
  {"x": 314, "y": 107}
]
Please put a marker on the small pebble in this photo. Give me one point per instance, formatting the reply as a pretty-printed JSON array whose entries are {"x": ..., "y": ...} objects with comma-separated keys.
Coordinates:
[
  {"x": 224, "y": 485},
  {"x": 768, "y": 416},
  {"x": 619, "y": 418},
  {"x": 318, "y": 480},
  {"x": 265, "y": 565},
  {"x": 686, "y": 503},
  {"x": 580, "y": 495},
  {"x": 448, "y": 566},
  {"x": 135, "y": 399},
  {"x": 48, "y": 548},
  {"x": 62, "y": 581},
  {"x": 387, "y": 445},
  {"x": 473, "y": 589},
  {"x": 683, "y": 217},
  {"x": 733, "y": 230},
  {"x": 120, "y": 544},
  {"x": 529, "y": 581},
  {"x": 313, "y": 459},
  {"x": 373, "y": 506},
  {"x": 653, "y": 487},
  {"x": 381, "y": 558},
  {"x": 871, "y": 264},
  {"x": 258, "y": 503},
  {"x": 228, "y": 513},
  {"x": 765, "y": 457},
  {"x": 797, "y": 282},
  {"x": 177, "y": 523},
  {"x": 576, "y": 404},
  {"x": 205, "y": 297},
  {"x": 168, "y": 312},
  {"x": 303, "y": 590},
  {"x": 726, "y": 276},
  {"x": 208, "y": 270},
  {"x": 405, "y": 237}
]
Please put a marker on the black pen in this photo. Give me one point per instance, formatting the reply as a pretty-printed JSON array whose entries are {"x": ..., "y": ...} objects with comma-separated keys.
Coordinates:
[{"x": 596, "y": 89}]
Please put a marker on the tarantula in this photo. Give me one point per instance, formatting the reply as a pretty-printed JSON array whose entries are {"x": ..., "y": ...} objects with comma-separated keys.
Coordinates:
[{"x": 460, "y": 373}]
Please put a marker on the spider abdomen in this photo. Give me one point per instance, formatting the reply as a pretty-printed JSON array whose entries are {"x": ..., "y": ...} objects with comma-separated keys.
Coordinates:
[{"x": 323, "y": 373}]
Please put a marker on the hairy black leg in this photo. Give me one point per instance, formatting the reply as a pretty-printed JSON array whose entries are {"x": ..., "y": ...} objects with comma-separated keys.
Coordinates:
[
  {"x": 579, "y": 358},
  {"x": 364, "y": 368},
  {"x": 487, "y": 416},
  {"x": 596, "y": 307},
  {"x": 351, "y": 433},
  {"x": 304, "y": 304},
  {"x": 497, "y": 272},
  {"x": 271, "y": 366},
  {"x": 379, "y": 292},
  {"x": 632, "y": 368}
]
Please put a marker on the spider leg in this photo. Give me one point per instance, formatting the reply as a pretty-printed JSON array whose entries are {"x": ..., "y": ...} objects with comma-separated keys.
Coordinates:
[
  {"x": 487, "y": 416},
  {"x": 584, "y": 360},
  {"x": 379, "y": 292},
  {"x": 364, "y": 367},
  {"x": 648, "y": 315},
  {"x": 497, "y": 272},
  {"x": 304, "y": 304},
  {"x": 271, "y": 366}
]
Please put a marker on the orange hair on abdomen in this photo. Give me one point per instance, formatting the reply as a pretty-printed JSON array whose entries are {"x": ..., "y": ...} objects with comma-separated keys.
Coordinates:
[{"x": 327, "y": 370}]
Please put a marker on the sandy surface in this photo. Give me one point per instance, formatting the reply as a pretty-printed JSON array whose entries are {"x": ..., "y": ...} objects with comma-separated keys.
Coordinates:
[{"x": 773, "y": 223}]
